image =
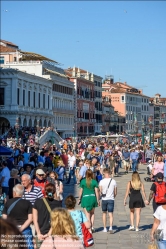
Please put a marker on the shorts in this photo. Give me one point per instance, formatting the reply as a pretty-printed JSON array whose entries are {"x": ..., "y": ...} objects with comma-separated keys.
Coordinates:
[
  {"x": 108, "y": 205},
  {"x": 126, "y": 163}
]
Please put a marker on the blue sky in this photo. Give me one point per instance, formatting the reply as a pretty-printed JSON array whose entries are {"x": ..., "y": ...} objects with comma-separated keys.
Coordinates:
[{"x": 123, "y": 38}]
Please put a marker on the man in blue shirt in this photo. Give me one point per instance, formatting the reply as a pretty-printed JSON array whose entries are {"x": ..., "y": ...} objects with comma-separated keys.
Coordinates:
[
  {"x": 126, "y": 160},
  {"x": 134, "y": 159},
  {"x": 83, "y": 170}
]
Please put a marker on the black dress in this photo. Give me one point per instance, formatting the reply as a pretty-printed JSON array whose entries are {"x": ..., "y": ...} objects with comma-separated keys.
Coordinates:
[{"x": 136, "y": 200}]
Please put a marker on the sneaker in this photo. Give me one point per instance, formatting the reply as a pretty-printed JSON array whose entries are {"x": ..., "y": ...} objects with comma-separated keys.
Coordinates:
[
  {"x": 111, "y": 231},
  {"x": 137, "y": 229},
  {"x": 131, "y": 228},
  {"x": 105, "y": 230}
]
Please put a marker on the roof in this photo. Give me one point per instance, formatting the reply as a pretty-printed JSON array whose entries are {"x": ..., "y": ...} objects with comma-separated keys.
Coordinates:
[
  {"x": 9, "y": 43},
  {"x": 70, "y": 69},
  {"x": 33, "y": 56},
  {"x": 56, "y": 73},
  {"x": 4, "y": 49}
]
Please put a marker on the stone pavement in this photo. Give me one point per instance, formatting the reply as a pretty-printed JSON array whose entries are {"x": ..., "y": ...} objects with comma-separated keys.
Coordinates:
[{"x": 122, "y": 238}]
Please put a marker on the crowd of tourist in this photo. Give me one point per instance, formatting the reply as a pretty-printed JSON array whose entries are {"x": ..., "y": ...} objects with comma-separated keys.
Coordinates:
[{"x": 32, "y": 184}]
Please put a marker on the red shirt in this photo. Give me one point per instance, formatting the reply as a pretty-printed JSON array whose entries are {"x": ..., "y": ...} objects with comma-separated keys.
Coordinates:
[{"x": 41, "y": 185}]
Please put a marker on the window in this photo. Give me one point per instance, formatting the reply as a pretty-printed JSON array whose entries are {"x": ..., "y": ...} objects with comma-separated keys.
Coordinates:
[
  {"x": 48, "y": 102},
  {"x": 34, "y": 98},
  {"x": 2, "y": 96},
  {"x": 2, "y": 60},
  {"x": 23, "y": 96},
  {"x": 39, "y": 100},
  {"x": 18, "y": 96},
  {"x": 44, "y": 100},
  {"x": 29, "y": 98},
  {"x": 122, "y": 98}
]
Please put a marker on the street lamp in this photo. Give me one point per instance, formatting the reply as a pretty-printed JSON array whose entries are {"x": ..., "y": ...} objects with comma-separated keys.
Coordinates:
[
  {"x": 162, "y": 124},
  {"x": 135, "y": 127},
  {"x": 101, "y": 128},
  {"x": 150, "y": 128},
  {"x": 38, "y": 130},
  {"x": 52, "y": 129},
  {"x": 74, "y": 131},
  {"x": 143, "y": 129},
  {"x": 17, "y": 129}
]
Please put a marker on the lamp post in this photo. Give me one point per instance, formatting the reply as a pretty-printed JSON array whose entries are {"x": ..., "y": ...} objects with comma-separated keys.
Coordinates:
[
  {"x": 150, "y": 128},
  {"x": 143, "y": 128},
  {"x": 74, "y": 131},
  {"x": 17, "y": 129},
  {"x": 52, "y": 129},
  {"x": 135, "y": 127},
  {"x": 38, "y": 130},
  {"x": 101, "y": 128},
  {"x": 162, "y": 124}
]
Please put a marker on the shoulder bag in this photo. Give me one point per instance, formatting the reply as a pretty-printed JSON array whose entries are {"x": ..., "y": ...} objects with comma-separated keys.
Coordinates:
[
  {"x": 104, "y": 195},
  {"x": 12, "y": 206}
]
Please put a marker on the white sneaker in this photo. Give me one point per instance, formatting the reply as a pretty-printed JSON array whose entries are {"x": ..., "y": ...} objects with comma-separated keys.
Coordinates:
[
  {"x": 105, "y": 230},
  {"x": 137, "y": 229},
  {"x": 131, "y": 228}
]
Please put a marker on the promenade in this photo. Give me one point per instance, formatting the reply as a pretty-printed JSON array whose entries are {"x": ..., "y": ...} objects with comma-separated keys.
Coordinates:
[{"x": 122, "y": 238}]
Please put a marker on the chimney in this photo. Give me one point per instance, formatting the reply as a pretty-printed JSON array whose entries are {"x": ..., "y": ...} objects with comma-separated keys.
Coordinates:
[
  {"x": 87, "y": 76},
  {"x": 78, "y": 73},
  {"x": 74, "y": 72}
]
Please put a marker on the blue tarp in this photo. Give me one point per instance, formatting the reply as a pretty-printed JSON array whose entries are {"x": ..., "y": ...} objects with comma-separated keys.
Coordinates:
[{"x": 4, "y": 151}]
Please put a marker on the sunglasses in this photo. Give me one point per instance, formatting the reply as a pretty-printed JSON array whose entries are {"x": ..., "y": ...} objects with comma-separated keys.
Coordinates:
[{"x": 40, "y": 175}]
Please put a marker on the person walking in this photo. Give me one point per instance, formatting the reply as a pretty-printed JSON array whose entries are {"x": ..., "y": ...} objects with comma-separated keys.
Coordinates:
[
  {"x": 160, "y": 225},
  {"x": 126, "y": 160},
  {"x": 63, "y": 232},
  {"x": 154, "y": 191},
  {"x": 134, "y": 159},
  {"x": 89, "y": 196},
  {"x": 136, "y": 203},
  {"x": 21, "y": 211},
  {"x": 72, "y": 167},
  {"x": 4, "y": 178},
  {"x": 108, "y": 190},
  {"x": 41, "y": 212},
  {"x": 12, "y": 181},
  {"x": 77, "y": 215}
]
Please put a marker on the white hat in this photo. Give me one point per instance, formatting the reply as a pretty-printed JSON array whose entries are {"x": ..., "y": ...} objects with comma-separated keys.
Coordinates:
[
  {"x": 149, "y": 161},
  {"x": 40, "y": 172}
]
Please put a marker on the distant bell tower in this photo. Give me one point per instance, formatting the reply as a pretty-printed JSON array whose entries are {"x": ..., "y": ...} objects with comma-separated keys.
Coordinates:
[{"x": 109, "y": 79}]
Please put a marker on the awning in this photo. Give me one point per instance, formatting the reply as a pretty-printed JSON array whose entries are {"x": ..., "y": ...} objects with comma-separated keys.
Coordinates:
[{"x": 5, "y": 151}]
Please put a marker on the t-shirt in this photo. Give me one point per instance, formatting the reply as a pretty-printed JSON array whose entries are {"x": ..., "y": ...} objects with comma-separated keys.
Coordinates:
[
  {"x": 20, "y": 211},
  {"x": 33, "y": 194},
  {"x": 160, "y": 214},
  {"x": 83, "y": 171},
  {"x": 6, "y": 174},
  {"x": 43, "y": 214},
  {"x": 110, "y": 192},
  {"x": 78, "y": 218},
  {"x": 158, "y": 167},
  {"x": 71, "y": 160}
]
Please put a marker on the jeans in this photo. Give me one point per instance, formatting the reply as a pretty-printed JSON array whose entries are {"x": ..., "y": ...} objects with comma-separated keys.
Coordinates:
[
  {"x": 161, "y": 244},
  {"x": 28, "y": 237},
  {"x": 108, "y": 205},
  {"x": 134, "y": 165},
  {"x": 116, "y": 171},
  {"x": 72, "y": 173}
]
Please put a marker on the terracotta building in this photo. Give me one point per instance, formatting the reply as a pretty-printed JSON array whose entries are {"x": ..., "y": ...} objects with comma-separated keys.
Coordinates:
[{"x": 130, "y": 103}]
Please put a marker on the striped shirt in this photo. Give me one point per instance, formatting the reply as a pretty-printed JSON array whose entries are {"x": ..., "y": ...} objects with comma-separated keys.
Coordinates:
[{"x": 34, "y": 194}]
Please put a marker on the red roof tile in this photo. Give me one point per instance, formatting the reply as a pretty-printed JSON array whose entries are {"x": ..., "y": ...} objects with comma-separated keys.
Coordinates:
[{"x": 4, "y": 49}]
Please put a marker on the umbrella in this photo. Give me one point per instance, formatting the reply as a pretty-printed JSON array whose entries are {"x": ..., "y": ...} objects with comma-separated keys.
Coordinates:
[{"x": 5, "y": 151}]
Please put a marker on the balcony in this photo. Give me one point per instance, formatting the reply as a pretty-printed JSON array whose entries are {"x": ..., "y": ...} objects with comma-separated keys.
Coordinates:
[{"x": 61, "y": 110}]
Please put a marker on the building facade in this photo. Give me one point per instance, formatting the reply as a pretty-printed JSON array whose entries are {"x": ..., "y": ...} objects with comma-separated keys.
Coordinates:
[
  {"x": 26, "y": 97},
  {"x": 48, "y": 91},
  {"x": 130, "y": 103},
  {"x": 84, "y": 105}
]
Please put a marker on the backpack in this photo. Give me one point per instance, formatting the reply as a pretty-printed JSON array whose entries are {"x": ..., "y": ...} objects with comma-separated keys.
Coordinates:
[{"x": 160, "y": 196}]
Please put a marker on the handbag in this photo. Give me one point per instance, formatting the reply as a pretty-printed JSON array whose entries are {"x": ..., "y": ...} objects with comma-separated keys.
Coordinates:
[
  {"x": 87, "y": 236},
  {"x": 152, "y": 246}
]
